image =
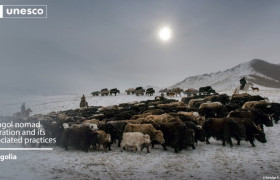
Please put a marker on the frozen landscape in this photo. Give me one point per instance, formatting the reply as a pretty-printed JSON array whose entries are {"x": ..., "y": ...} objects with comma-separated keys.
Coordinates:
[
  {"x": 53, "y": 65},
  {"x": 205, "y": 162}
]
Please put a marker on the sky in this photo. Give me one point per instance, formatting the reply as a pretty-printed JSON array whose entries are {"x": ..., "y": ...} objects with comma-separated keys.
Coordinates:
[{"x": 84, "y": 46}]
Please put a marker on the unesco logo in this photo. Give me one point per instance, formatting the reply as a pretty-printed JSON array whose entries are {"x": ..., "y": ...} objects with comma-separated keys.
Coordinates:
[{"x": 23, "y": 11}]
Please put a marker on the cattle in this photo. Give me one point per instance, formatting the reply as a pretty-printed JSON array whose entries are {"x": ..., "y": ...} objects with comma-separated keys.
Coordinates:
[
  {"x": 210, "y": 105},
  {"x": 222, "y": 98},
  {"x": 228, "y": 108},
  {"x": 65, "y": 125},
  {"x": 253, "y": 104},
  {"x": 93, "y": 121},
  {"x": 82, "y": 114},
  {"x": 62, "y": 117},
  {"x": 257, "y": 116},
  {"x": 163, "y": 118},
  {"x": 170, "y": 94},
  {"x": 154, "y": 111},
  {"x": 199, "y": 133},
  {"x": 139, "y": 91},
  {"x": 240, "y": 99},
  {"x": 144, "y": 115},
  {"x": 223, "y": 129},
  {"x": 165, "y": 90},
  {"x": 53, "y": 130},
  {"x": 177, "y": 103},
  {"x": 190, "y": 92},
  {"x": 109, "y": 108},
  {"x": 123, "y": 114},
  {"x": 182, "y": 117},
  {"x": 272, "y": 109},
  {"x": 130, "y": 91},
  {"x": 150, "y": 91},
  {"x": 137, "y": 140},
  {"x": 195, "y": 103},
  {"x": 86, "y": 123},
  {"x": 186, "y": 100},
  {"x": 95, "y": 93},
  {"x": 177, "y": 136},
  {"x": 114, "y": 91},
  {"x": 127, "y": 105},
  {"x": 194, "y": 116},
  {"x": 161, "y": 97},
  {"x": 115, "y": 129},
  {"x": 251, "y": 131},
  {"x": 104, "y": 140},
  {"x": 80, "y": 138},
  {"x": 213, "y": 109},
  {"x": 177, "y": 91},
  {"x": 173, "y": 107},
  {"x": 91, "y": 126},
  {"x": 206, "y": 90},
  {"x": 156, "y": 135},
  {"x": 275, "y": 109},
  {"x": 140, "y": 121},
  {"x": 76, "y": 125},
  {"x": 104, "y": 92}
]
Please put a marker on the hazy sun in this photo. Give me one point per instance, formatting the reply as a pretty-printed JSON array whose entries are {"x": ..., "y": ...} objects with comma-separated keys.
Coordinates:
[{"x": 165, "y": 33}]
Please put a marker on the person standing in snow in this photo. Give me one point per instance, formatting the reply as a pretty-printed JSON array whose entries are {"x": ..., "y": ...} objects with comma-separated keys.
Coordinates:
[
  {"x": 23, "y": 108},
  {"x": 83, "y": 102},
  {"x": 242, "y": 83}
]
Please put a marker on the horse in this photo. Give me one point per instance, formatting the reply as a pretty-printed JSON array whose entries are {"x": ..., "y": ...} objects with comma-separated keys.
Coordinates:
[{"x": 245, "y": 89}]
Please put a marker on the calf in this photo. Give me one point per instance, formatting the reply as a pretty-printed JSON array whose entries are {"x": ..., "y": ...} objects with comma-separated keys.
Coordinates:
[
  {"x": 135, "y": 139},
  {"x": 115, "y": 129},
  {"x": 104, "y": 140},
  {"x": 156, "y": 135}
]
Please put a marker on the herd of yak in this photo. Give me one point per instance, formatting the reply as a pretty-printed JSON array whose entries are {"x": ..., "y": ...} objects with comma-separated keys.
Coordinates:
[
  {"x": 150, "y": 91},
  {"x": 168, "y": 122},
  {"x": 137, "y": 91}
]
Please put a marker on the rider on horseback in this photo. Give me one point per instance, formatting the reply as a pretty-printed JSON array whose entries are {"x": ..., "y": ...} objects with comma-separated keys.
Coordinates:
[{"x": 242, "y": 83}]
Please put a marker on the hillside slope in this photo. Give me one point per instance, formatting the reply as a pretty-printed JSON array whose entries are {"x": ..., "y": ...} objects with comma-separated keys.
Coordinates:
[{"x": 260, "y": 72}]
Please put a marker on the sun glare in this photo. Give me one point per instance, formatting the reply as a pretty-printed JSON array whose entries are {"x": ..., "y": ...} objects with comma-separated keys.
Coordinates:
[{"x": 165, "y": 34}]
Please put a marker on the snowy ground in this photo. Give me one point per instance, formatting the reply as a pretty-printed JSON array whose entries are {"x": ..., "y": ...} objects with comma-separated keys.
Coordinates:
[
  {"x": 205, "y": 162},
  {"x": 46, "y": 104}
]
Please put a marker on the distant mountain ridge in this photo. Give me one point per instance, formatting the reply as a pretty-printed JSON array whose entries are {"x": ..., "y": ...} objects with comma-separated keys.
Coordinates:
[{"x": 259, "y": 72}]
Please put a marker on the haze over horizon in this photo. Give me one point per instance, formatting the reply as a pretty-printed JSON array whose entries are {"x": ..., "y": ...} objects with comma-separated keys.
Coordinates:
[{"x": 89, "y": 45}]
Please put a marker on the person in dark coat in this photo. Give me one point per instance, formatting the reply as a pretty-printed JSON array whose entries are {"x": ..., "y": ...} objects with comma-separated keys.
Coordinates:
[
  {"x": 242, "y": 83},
  {"x": 83, "y": 102},
  {"x": 23, "y": 108}
]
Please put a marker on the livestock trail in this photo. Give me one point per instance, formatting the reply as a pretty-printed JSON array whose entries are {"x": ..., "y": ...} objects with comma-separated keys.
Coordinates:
[{"x": 180, "y": 127}]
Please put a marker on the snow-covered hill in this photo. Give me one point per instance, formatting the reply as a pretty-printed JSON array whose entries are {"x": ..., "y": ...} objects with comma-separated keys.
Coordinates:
[{"x": 257, "y": 71}]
